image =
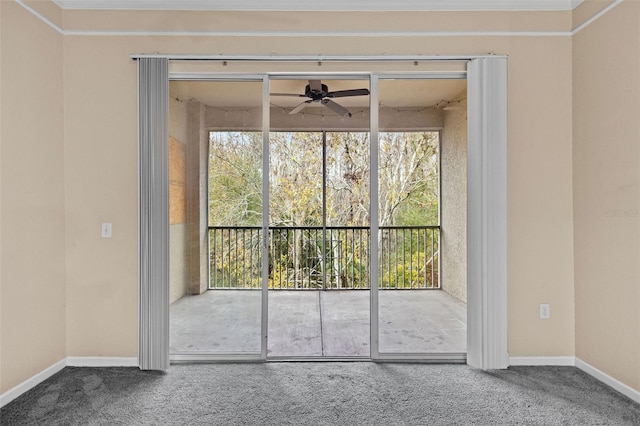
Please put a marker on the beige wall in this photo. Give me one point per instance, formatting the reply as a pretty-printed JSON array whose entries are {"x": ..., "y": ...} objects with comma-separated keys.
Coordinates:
[
  {"x": 539, "y": 70},
  {"x": 100, "y": 100},
  {"x": 32, "y": 243},
  {"x": 453, "y": 211},
  {"x": 319, "y": 22},
  {"x": 177, "y": 200},
  {"x": 606, "y": 161},
  {"x": 540, "y": 215},
  {"x": 100, "y": 166},
  {"x": 197, "y": 233},
  {"x": 389, "y": 119},
  {"x": 1, "y": 276}
]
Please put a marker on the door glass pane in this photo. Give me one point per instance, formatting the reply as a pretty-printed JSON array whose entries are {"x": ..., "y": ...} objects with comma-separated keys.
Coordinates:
[
  {"x": 295, "y": 238},
  {"x": 319, "y": 217},
  {"x": 216, "y": 260},
  {"x": 421, "y": 310},
  {"x": 346, "y": 305}
]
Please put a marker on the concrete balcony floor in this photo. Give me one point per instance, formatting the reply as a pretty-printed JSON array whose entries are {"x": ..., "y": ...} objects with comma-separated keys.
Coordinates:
[{"x": 314, "y": 323}]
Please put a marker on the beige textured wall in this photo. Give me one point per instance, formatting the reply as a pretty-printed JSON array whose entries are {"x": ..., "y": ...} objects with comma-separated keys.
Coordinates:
[
  {"x": 46, "y": 8},
  {"x": 389, "y": 119},
  {"x": 1, "y": 279},
  {"x": 177, "y": 262},
  {"x": 177, "y": 161},
  {"x": 177, "y": 200},
  {"x": 197, "y": 161},
  {"x": 177, "y": 182},
  {"x": 606, "y": 176},
  {"x": 453, "y": 211},
  {"x": 100, "y": 154},
  {"x": 539, "y": 70},
  {"x": 32, "y": 243},
  {"x": 587, "y": 9},
  {"x": 347, "y": 21},
  {"x": 539, "y": 206}
]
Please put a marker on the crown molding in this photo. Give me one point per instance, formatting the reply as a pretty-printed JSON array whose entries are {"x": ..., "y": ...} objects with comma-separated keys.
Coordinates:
[
  {"x": 108, "y": 33},
  {"x": 325, "y": 5}
]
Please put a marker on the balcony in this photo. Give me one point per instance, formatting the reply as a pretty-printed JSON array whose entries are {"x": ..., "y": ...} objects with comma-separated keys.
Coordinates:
[
  {"x": 332, "y": 323},
  {"x": 408, "y": 257},
  {"x": 303, "y": 320}
]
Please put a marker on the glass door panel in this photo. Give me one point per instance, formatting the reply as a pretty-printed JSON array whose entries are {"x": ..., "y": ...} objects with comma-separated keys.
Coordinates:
[
  {"x": 318, "y": 218},
  {"x": 346, "y": 303},
  {"x": 216, "y": 301},
  {"x": 313, "y": 259},
  {"x": 295, "y": 241},
  {"x": 418, "y": 311}
]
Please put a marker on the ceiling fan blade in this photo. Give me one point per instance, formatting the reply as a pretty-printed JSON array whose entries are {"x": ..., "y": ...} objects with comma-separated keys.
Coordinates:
[
  {"x": 315, "y": 85},
  {"x": 288, "y": 94},
  {"x": 300, "y": 107},
  {"x": 345, "y": 93},
  {"x": 337, "y": 108}
]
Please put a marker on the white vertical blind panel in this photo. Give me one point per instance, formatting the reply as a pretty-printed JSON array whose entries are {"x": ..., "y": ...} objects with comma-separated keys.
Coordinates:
[
  {"x": 153, "y": 158},
  {"x": 487, "y": 214}
]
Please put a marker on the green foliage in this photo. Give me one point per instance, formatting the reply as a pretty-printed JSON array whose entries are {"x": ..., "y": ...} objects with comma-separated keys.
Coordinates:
[
  {"x": 408, "y": 192},
  {"x": 235, "y": 178},
  {"x": 409, "y": 178}
]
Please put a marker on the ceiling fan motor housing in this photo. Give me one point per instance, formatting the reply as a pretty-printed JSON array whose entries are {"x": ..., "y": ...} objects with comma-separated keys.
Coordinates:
[{"x": 315, "y": 94}]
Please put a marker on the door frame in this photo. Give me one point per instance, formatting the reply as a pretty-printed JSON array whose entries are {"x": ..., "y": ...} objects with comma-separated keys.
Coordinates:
[{"x": 486, "y": 201}]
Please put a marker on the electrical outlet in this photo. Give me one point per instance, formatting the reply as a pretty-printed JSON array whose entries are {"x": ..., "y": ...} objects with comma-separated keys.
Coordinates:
[
  {"x": 545, "y": 311},
  {"x": 106, "y": 230}
]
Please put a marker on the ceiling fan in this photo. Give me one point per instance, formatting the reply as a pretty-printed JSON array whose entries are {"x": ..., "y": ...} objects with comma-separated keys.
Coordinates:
[{"x": 318, "y": 92}]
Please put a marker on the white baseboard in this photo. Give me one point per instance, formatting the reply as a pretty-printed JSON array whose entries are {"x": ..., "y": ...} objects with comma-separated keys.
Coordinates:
[
  {"x": 32, "y": 382},
  {"x": 95, "y": 361},
  {"x": 568, "y": 361},
  {"x": 608, "y": 380}
]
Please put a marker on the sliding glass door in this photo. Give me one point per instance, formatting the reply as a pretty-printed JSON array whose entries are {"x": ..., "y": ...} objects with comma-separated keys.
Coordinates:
[
  {"x": 319, "y": 218},
  {"x": 323, "y": 218},
  {"x": 418, "y": 314},
  {"x": 486, "y": 198},
  {"x": 216, "y": 204}
]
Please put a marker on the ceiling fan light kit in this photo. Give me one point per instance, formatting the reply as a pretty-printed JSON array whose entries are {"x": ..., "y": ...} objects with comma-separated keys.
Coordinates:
[{"x": 319, "y": 93}]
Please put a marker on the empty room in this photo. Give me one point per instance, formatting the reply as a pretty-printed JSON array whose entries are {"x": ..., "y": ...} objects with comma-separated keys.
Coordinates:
[{"x": 364, "y": 212}]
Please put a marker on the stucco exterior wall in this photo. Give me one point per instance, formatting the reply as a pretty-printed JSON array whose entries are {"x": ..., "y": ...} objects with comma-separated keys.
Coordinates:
[
  {"x": 453, "y": 178},
  {"x": 197, "y": 235},
  {"x": 177, "y": 200}
]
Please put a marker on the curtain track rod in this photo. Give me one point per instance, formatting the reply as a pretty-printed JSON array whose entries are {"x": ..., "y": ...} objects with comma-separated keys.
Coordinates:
[{"x": 313, "y": 58}]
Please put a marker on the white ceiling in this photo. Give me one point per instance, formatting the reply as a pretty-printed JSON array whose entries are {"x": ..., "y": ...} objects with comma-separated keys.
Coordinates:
[
  {"x": 323, "y": 5},
  {"x": 392, "y": 93}
]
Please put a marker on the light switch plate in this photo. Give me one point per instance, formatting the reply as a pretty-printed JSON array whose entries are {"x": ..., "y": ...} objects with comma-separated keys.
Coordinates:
[
  {"x": 545, "y": 311},
  {"x": 106, "y": 230}
]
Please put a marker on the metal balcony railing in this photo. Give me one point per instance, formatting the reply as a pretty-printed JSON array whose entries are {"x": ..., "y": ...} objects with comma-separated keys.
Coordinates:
[{"x": 317, "y": 258}]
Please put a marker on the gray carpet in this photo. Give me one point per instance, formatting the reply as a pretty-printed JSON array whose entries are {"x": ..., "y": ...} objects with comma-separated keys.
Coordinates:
[{"x": 332, "y": 393}]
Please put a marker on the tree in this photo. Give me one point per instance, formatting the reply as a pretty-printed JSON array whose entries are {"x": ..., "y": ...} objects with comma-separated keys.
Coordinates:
[
  {"x": 235, "y": 178},
  {"x": 407, "y": 189},
  {"x": 295, "y": 179},
  {"x": 408, "y": 178}
]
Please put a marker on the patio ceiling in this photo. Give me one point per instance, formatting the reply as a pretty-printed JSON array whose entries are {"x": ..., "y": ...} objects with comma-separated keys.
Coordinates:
[{"x": 396, "y": 93}]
